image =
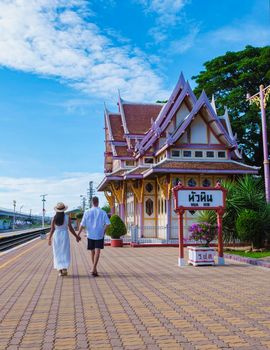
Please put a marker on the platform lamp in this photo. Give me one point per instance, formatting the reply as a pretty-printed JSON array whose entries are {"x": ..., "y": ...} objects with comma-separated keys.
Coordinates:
[
  {"x": 260, "y": 100},
  {"x": 14, "y": 214},
  {"x": 43, "y": 209}
]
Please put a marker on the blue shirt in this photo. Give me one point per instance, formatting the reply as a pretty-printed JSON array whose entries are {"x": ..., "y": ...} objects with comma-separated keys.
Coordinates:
[{"x": 94, "y": 220}]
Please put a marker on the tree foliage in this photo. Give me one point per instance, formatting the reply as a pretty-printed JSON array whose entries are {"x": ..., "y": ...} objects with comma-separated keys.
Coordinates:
[
  {"x": 250, "y": 227},
  {"x": 229, "y": 78},
  {"x": 106, "y": 208}
]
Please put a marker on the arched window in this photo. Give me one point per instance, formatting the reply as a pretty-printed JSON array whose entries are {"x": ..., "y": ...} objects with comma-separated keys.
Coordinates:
[
  {"x": 192, "y": 182},
  {"x": 149, "y": 207}
]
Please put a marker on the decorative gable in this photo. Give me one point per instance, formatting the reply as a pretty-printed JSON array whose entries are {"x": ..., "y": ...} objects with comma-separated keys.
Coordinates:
[
  {"x": 212, "y": 139},
  {"x": 181, "y": 114},
  {"x": 198, "y": 131}
]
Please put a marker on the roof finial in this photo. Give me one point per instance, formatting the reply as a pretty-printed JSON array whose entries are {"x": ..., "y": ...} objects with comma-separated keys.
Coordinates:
[{"x": 213, "y": 103}]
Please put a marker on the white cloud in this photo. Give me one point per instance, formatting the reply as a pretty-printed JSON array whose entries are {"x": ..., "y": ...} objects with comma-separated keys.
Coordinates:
[
  {"x": 51, "y": 38},
  {"x": 67, "y": 188},
  {"x": 167, "y": 10},
  {"x": 243, "y": 33},
  {"x": 168, "y": 14}
]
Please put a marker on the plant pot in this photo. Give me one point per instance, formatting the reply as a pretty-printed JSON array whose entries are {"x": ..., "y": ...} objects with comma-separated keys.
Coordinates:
[
  {"x": 198, "y": 256},
  {"x": 116, "y": 242}
]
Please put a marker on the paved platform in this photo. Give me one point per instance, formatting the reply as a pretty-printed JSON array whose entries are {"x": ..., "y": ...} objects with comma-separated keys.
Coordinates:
[{"x": 141, "y": 300}]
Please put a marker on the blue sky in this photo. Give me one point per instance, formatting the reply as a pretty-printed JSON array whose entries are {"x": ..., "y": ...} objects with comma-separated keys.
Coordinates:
[{"x": 59, "y": 63}]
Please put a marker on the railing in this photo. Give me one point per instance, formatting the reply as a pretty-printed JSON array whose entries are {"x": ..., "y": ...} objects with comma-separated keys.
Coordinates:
[
  {"x": 163, "y": 234},
  {"x": 158, "y": 234}
]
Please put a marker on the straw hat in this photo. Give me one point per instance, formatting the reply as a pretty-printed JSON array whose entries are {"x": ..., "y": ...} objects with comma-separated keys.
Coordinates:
[{"x": 60, "y": 207}]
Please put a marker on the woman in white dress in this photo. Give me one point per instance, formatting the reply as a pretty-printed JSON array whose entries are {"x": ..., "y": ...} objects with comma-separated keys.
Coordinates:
[{"x": 60, "y": 227}]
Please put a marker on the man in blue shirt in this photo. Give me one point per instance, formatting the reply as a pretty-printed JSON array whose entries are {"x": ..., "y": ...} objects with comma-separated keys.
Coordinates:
[{"x": 96, "y": 222}]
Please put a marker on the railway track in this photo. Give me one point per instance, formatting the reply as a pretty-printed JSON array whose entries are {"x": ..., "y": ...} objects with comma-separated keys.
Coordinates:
[{"x": 11, "y": 241}]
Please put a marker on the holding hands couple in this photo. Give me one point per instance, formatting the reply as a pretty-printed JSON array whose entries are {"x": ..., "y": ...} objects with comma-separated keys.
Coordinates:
[{"x": 95, "y": 221}]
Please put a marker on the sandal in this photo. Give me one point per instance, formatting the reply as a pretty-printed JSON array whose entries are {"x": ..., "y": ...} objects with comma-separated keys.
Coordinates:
[
  {"x": 95, "y": 274},
  {"x": 64, "y": 273},
  {"x": 60, "y": 273}
]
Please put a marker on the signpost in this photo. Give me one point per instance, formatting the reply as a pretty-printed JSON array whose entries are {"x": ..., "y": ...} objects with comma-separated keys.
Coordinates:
[{"x": 199, "y": 198}]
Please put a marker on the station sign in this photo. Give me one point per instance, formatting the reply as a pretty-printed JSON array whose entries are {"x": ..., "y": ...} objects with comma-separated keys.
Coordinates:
[{"x": 199, "y": 198}]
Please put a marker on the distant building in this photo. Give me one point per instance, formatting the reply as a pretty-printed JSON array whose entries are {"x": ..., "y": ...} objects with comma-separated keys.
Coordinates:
[{"x": 149, "y": 148}]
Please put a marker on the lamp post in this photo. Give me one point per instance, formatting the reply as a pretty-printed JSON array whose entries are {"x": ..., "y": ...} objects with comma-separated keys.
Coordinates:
[
  {"x": 14, "y": 214},
  {"x": 43, "y": 208},
  {"x": 21, "y": 209},
  {"x": 260, "y": 99}
]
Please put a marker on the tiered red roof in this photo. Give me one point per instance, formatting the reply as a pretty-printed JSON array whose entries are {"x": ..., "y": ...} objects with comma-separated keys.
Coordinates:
[
  {"x": 134, "y": 132},
  {"x": 140, "y": 116}
]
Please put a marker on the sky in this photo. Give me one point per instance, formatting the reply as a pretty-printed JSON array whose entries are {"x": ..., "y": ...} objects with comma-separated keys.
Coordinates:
[{"x": 60, "y": 61}]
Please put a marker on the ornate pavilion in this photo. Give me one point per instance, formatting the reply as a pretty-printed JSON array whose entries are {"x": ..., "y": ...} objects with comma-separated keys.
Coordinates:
[{"x": 151, "y": 147}]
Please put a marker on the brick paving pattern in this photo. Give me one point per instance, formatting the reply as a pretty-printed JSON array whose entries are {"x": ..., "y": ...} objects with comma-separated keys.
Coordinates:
[{"x": 141, "y": 300}]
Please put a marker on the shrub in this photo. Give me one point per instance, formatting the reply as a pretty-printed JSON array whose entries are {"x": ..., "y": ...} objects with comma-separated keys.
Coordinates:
[
  {"x": 203, "y": 232},
  {"x": 117, "y": 227},
  {"x": 251, "y": 227}
]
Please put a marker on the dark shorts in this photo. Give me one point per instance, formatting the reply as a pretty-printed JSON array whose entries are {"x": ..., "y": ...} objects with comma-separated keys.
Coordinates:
[{"x": 95, "y": 244}]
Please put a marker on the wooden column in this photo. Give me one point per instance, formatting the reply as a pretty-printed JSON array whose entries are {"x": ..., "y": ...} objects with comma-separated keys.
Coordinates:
[
  {"x": 181, "y": 260},
  {"x": 111, "y": 200},
  {"x": 220, "y": 213},
  {"x": 119, "y": 194}
]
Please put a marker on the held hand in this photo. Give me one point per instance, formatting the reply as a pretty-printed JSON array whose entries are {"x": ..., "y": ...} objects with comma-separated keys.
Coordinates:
[
  {"x": 50, "y": 241},
  {"x": 78, "y": 238}
]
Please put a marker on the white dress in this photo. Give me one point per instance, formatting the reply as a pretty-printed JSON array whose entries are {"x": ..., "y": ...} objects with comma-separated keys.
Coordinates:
[{"x": 61, "y": 246}]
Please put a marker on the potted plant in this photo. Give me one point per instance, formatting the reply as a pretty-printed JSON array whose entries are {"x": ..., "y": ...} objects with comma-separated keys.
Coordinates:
[
  {"x": 204, "y": 233},
  {"x": 116, "y": 230}
]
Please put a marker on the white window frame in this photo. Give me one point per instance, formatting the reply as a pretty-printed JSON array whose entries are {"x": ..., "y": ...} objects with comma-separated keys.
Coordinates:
[
  {"x": 225, "y": 154},
  {"x": 176, "y": 150}
]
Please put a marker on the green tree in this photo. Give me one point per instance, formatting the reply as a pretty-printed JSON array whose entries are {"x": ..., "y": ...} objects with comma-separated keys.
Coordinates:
[
  {"x": 106, "y": 208},
  {"x": 230, "y": 77}
]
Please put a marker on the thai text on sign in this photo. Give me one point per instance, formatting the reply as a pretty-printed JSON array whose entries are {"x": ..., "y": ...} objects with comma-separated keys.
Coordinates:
[{"x": 200, "y": 198}]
